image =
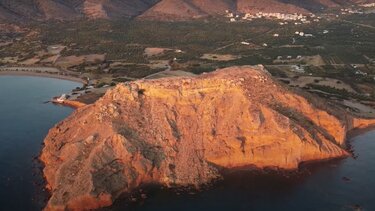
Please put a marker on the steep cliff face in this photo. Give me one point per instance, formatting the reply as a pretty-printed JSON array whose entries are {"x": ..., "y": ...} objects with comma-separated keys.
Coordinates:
[{"x": 182, "y": 131}]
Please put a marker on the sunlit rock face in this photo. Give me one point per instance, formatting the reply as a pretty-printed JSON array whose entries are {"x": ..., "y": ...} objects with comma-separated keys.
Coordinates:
[{"x": 183, "y": 131}]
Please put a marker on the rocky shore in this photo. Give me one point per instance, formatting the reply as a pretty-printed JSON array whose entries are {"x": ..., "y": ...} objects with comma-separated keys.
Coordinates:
[
  {"x": 184, "y": 131},
  {"x": 70, "y": 103}
]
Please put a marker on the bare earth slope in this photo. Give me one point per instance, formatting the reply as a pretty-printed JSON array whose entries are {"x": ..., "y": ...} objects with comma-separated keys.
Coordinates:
[
  {"x": 24, "y": 10},
  {"x": 173, "y": 10},
  {"x": 255, "y": 6},
  {"x": 11, "y": 10},
  {"x": 188, "y": 9},
  {"x": 56, "y": 9},
  {"x": 182, "y": 131},
  {"x": 114, "y": 8}
]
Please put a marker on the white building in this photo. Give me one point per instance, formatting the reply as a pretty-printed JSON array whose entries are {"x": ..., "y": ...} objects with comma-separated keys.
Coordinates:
[
  {"x": 62, "y": 98},
  {"x": 368, "y": 5},
  {"x": 298, "y": 69}
]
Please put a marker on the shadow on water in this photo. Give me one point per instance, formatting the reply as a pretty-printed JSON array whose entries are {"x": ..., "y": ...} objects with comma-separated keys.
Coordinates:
[{"x": 341, "y": 184}]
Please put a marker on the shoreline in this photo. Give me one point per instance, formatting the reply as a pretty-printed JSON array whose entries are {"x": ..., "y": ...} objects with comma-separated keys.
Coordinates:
[
  {"x": 43, "y": 75},
  {"x": 70, "y": 103}
]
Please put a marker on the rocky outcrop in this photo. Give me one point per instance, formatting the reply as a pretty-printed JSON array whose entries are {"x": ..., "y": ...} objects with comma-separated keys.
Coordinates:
[
  {"x": 183, "y": 131},
  {"x": 70, "y": 103}
]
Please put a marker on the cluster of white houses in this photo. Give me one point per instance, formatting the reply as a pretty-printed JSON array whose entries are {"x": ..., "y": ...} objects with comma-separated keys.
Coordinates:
[
  {"x": 351, "y": 11},
  {"x": 368, "y": 5},
  {"x": 299, "y": 57},
  {"x": 297, "y": 18},
  {"x": 303, "y": 34}
]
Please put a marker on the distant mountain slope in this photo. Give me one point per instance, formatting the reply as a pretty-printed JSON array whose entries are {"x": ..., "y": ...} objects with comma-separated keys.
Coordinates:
[
  {"x": 11, "y": 10},
  {"x": 215, "y": 6},
  {"x": 18, "y": 8},
  {"x": 37, "y": 9},
  {"x": 23, "y": 10},
  {"x": 187, "y": 9},
  {"x": 115, "y": 8},
  {"x": 7, "y": 16},
  {"x": 253, "y": 6},
  {"x": 175, "y": 9},
  {"x": 56, "y": 9}
]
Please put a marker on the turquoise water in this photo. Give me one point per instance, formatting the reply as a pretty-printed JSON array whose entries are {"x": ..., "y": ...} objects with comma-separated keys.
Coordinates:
[
  {"x": 344, "y": 184},
  {"x": 24, "y": 122}
]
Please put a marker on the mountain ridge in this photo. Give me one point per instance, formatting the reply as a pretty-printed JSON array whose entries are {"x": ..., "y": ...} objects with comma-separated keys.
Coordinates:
[{"x": 23, "y": 10}]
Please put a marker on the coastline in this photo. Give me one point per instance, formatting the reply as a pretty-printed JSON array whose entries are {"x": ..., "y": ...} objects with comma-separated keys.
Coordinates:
[
  {"x": 70, "y": 103},
  {"x": 44, "y": 75}
]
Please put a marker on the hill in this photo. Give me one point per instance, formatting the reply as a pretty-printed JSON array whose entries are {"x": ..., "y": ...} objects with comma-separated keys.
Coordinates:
[
  {"x": 16, "y": 10},
  {"x": 184, "y": 131},
  {"x": 187, "y": 9},
  {"x": 255, "y": 6}
]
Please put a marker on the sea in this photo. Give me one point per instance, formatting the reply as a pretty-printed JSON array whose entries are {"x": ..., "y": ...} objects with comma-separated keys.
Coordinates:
[{"x": 25, "y": 119}]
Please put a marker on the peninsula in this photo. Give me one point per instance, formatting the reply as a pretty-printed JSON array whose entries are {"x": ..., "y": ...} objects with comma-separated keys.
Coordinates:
[{"x": 184, "y": 131}]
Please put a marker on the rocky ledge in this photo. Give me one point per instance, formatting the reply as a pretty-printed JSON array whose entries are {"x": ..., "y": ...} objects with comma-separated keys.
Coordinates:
[{"x": 183, "y": 131}]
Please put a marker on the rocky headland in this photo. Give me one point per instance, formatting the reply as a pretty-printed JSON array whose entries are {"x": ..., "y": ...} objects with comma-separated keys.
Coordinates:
[{"x": 184, "y": 131}]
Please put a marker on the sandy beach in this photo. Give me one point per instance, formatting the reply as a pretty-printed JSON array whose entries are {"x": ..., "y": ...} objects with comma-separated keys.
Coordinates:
[
  {"x": 46, "y": 75},
  {"x": 70, "y": 103}
]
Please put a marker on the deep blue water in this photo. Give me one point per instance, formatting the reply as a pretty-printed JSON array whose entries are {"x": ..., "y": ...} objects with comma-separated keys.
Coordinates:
[
  {"x": 24, "y": 121},
  {"x": 346, "y": 184}
]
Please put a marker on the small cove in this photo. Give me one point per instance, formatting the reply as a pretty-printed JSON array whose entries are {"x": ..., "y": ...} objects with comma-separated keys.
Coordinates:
[{"x": 25, "y": 120}]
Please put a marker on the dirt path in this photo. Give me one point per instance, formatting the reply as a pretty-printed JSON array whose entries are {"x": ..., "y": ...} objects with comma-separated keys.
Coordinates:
[
  {"x": 359, "y": 24},
  {"x": 246, "y": 40}
]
